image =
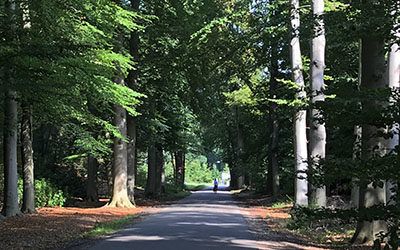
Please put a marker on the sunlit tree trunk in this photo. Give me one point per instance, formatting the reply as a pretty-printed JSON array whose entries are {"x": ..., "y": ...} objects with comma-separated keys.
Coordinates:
[
  {"x": 120, "y": 165},
  {"x": 317, "y": 127},
  {"x": 28, "y": 199},
  {"x": 394, "y": 83},
  {"x": 300, "y": 137},
  {"x": 372, "y": 76}
]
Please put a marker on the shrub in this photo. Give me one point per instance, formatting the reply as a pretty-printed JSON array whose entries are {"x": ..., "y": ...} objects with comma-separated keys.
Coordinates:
[{"x": 46, "y": 194}]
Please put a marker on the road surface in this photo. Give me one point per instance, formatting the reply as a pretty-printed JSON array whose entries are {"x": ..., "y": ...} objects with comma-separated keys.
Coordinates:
[{"x": 204, "y": 220}]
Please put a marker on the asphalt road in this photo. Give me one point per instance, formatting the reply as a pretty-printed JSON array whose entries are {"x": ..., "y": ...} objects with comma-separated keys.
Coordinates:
[{"x": 204, "y": 220}]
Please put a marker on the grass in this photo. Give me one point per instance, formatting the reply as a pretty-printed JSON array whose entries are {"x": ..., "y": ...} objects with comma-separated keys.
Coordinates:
[
  {"x": 110, "y": 227},
  {"x": 196, "y": 186}
]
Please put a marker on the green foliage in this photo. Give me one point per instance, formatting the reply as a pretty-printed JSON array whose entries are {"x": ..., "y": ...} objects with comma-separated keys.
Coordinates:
[
  {"x": 197, "y": 171},
  {"x": 46, "y": 194}
]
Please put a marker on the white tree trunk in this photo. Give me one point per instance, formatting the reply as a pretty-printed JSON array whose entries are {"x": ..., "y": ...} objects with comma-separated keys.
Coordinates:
[
  {"x": 394, "y": 83},
  {"x": 300, "y": 137},
  {"x": 10, "y": 207},
  {"x": 28, "y": 201},
  {"x": 317, "y": 130}
]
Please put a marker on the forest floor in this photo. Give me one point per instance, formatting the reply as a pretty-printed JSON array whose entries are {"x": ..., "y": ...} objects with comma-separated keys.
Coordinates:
[
  {"x": 269, "y": 219},
  {"x": 59, "y": 227}
]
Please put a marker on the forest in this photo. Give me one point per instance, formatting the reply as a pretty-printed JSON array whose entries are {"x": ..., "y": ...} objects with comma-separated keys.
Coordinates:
[{"x": 296, "y": 99}]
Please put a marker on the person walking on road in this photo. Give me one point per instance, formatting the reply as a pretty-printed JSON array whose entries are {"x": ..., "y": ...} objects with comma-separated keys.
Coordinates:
[{"x": 215, "y": 185}]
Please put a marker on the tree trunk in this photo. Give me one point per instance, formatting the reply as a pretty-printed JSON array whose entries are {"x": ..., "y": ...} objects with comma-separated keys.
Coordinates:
[
  {"x": 273, "y": 127},
  {"x": 394, "y": 83},
  {"x": 300, "y": 138},
  {"x": 133, "y": 79},
  {"x": 160, "y": 171},
  {"x": 151, "y": 172},
  {"x": 317, "y": 131},
  {"x": 179, "y": 168},
  {"x": 355, "y": 189},
  {"x": 28, "y": 200},
  {"x": 91, "y": 185},
  {"x": 372, "y": 76},
  {"x": 10, "y": 207},
  {"x": 120, "y": 169}
]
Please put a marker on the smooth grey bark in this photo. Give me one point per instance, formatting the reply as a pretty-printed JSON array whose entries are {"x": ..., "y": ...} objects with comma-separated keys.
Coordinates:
[
  {"x": 372, "y": 76},
  {"x": 317, "y": 195},
  {"x": 133, "y": 79},
  {"x": 10, "y": 207},
  {"x": 120, "y": 164},
  {"x": 28, "y": 199},
  {"x": 91, "y": 184},
  {"x": 300, "y": 135}
]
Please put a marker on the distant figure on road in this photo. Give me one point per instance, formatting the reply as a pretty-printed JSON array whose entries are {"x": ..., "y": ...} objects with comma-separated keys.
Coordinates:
[{"x": 215, "y": 185}]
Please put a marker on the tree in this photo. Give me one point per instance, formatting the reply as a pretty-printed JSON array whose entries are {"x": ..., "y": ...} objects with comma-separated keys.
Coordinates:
[
  {"x": 132, "y": 81},
  {"x": 300, "y": 137},
  {"x": 28, "y": 200},
  {"x": 372, "y": 77},
  {"x": 317, "y": 133},
  {"x": 10, "y": 207},
  {"x": 120, "y": 196}
]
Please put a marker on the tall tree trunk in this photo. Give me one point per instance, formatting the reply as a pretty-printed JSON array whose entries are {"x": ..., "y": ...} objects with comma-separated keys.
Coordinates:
[
  {"x": 394, "y": 83},
  {"x": 155, "y": 161},
  {"x": 355, "y": 189},
  {"x": 28, "y": 200},
  {"x": 317, "y": 131},
  {"x": 151, "y": 171},
  {"x": 273, "y": 127},
  {"x": 10, "y": 207},
  {"x": 372, "y": 76},
  {"x": 179, "y": 168},
  {"x": 133, "y": 79},
  {"x": 120, "y": 168},
  {"x": 300, "y": 135},
  {"x": 91, "y": 185},
  {"x": 160, "y": 171}
]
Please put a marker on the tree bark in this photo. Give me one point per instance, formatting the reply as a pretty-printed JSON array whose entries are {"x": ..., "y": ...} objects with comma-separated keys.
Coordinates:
[
  {"x": 91, "y": 185},
  {"x": 394, "y": 84},
  {"x": 10, "y": 207},
  {"x": 372, "y": 76},
  {"x": 355, "y": 188},
  {"x": 28, "y": 199},
  {"x": 160, "y": 171},
  {"x": 317, "y": 131},
  {"x": 273, "y": 127},
  {"x": 300, "y": 138},
  {"x": 155, "y": 161},
  {"x": 151, "y": 171},
  {"x": 133, "y": 79},
  {"x": 120, "y": 168},
  {"x": 179, "y": 168}
]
